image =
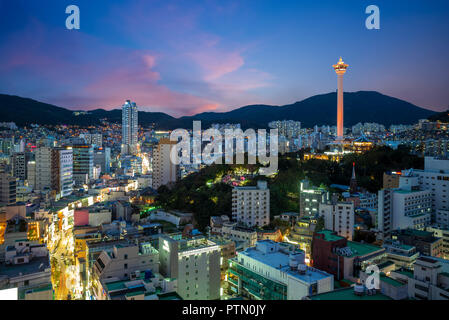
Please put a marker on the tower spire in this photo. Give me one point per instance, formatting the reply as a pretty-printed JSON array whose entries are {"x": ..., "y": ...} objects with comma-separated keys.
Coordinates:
[{"x": 353, "y": 182}]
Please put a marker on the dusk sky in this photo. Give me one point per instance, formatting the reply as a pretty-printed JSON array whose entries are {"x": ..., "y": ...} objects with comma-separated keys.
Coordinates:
[{"x": 185, "y": 57}]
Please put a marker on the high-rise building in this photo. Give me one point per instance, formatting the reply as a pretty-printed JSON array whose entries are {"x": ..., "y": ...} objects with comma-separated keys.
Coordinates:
[
  {"x": 404, "y": 207},
  {"x": 83, "y": 163},
  {"x": 19, "y": 165},
  {"x": 43, "y": 168},
  {"x": 251, "y": 205},
  {"x": 129, "y": 127},
  {"x": 62, "y": 171},
  {"x": 7, "y": 189},
  {"x": 340, "y": 69},
  {"x": 164, "y": 171},
  {"x": 194, "y": 262},
  {"x": 31, "y": 174}
]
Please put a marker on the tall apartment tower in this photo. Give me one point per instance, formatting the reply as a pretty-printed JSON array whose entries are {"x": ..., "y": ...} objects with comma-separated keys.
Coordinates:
[
  {"x": 7, "y": 189},
  {"x": 251, "y": 205},
  {"x": 19, "y": 165},
  {"x": 340, "y": 69},
  {"x": 43, "y": 168},
  {"x": 62, "y": 171},
  {"x": 164, "y": 171},
  {"x": 31, "y": 174},
  {"x": 129, "y": 127}
]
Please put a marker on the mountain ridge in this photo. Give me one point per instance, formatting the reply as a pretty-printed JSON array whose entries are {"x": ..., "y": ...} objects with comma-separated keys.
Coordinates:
[{"x": 321, "y": 109}]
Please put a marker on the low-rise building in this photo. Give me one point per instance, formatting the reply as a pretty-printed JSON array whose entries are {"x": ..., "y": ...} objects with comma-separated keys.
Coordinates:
[
  {"x": 27, "y": 267},
  {"x": 342, "y": 258},
  {"x": 272, "y": 271}
]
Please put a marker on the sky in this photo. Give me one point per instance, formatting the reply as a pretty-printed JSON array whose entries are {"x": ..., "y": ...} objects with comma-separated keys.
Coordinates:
[{"x": 187, "y": 57}]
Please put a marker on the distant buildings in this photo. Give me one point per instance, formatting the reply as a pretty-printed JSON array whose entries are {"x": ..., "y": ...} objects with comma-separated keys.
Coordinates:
[
  {"x": 129, "y": 127},
  {"x": 251, "y": 205},
  {"x": 286, "y": 128}
]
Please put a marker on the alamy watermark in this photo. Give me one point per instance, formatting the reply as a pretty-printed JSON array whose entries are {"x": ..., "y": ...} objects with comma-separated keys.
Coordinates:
[
  {"x": 73, "y": 20},
  {"x": 373, "y": 20},
  {"x": 190, "y": 151}
]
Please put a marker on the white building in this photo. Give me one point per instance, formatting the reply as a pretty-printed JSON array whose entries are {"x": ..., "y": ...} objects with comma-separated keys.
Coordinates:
[
  {"x": 404, "y": 207},
  {"x": 125, "y": 260},
  {"x": 164, "y": 171},
  {"x": 427, "y": 282},
  {"x": 251, "y": 205},
  {"x": 62, "y": 171},
  {"x": 43, "y": 168},
  {"x": 194, "y": 262},
  {"x": 129, "y": 127},
  {"x": 435, "y": 177},
  {"x": 339, "y": 217},
  {"x": 279, "y": 273}
]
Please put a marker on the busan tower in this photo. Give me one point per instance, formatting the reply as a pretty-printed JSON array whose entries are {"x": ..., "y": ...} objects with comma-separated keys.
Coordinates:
[{"x": 340, "y": 69}]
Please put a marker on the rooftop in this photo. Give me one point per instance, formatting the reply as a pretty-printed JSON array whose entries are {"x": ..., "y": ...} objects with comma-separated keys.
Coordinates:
[
  {"x": 348, "y": 294},
  {"x": 362, "y": 249},
  {"x": 34, "y": 266},
  {"x": 329, "y": 235}
]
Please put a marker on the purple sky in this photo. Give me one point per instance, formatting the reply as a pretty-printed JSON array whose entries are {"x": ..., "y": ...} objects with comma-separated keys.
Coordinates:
[{"x": 185, "y": 57}]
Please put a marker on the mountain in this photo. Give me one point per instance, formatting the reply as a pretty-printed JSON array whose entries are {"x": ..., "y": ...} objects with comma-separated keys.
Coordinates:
[
  {"x": 441, "y": 116},
  {"x": 361, "y": 106}
]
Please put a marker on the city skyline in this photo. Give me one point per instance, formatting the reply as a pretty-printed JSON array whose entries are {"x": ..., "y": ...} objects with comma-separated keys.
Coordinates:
[{"x": 184, "y": 60}]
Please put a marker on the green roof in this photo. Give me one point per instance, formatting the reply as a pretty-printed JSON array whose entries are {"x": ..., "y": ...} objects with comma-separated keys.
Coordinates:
[
  {"x": 117, "y": 285},
  {"x": 136, "y": 293},
  {"x": 393, "y": 282},
  {"x": 362, "y": 249},
  {"x": 348, "y": 294},
  {"x": 329, "y": 235},
  {"x": 405, "y": 272}
]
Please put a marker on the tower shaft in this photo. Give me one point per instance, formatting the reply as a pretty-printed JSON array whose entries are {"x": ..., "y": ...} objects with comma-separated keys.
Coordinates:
[{"x": 340, "y": 107}]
